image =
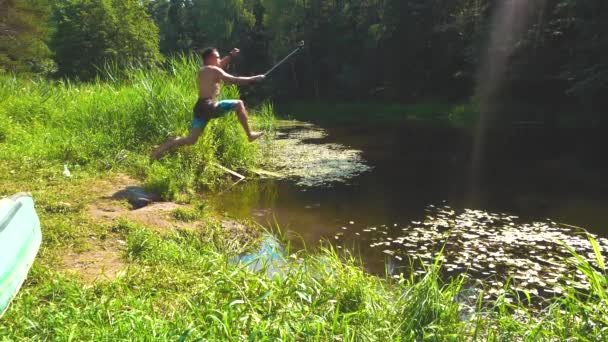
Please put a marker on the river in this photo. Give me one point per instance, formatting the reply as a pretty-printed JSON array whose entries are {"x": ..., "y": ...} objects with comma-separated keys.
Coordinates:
[{"x": 414, "y": 197}]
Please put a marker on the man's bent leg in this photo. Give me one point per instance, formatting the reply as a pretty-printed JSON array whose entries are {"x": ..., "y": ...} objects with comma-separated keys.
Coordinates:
[
  {"x": 241, "y": 112},
  {"x": 190, "y": 139}
]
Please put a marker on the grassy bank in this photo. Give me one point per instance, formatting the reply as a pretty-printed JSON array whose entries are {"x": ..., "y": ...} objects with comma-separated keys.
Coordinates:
[
  {"x": 113, "y": 125},
  {"x": 434, "y": 113},
  {"x": 183, "y": 284},
  {"x": 463, "y": 114},
  {"x": 178, "y": 282}
]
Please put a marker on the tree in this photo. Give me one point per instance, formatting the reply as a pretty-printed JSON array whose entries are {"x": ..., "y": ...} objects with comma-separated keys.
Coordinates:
[
  {"x": 91, "y": 33},
  {"x": 24, "y": 30},
  {"x": 341, "y": 42},
  {"x": 189, "y": 24},
  {"x": 579, "y": 31},
  {"x": 403, "y": 49}
]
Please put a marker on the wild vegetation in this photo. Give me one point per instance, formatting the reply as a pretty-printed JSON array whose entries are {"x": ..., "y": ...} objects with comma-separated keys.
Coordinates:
[
  {"x": 185, "y": 285},
  {"x": 112, "y": 125},
  {"x": 366, "y": 50},
  {"x": 92, "y": 86}
]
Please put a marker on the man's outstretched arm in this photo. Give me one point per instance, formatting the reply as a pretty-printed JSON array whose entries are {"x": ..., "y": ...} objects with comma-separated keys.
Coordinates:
[{"x": 227, "y": 78}]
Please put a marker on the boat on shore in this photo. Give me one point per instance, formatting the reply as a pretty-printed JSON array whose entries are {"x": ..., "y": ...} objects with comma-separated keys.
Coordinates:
[{"x": 20, "y": 238}]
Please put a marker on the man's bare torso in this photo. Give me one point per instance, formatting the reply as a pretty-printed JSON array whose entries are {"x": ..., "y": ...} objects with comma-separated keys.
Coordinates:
[{"x": 208, "y": 82}]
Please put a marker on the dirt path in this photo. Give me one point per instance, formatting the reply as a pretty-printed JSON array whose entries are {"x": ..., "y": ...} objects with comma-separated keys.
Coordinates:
[{"x": 118, "y": 199}]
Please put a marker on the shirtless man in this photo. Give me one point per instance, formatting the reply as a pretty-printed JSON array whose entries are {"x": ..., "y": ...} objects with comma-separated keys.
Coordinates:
[{"x": 207, "y": 107}]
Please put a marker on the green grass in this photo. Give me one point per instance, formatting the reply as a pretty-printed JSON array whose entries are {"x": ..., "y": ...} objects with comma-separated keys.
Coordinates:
[
  {"x": 183, "y": 284},
  {"x": 114, "y": 125},
  {"x": 189, "y": 214},
  {"x": 431, "y": 113}
]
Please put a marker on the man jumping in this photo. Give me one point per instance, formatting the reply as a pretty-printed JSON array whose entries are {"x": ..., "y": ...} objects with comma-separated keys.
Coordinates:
[{"x": 207, "y": 107}]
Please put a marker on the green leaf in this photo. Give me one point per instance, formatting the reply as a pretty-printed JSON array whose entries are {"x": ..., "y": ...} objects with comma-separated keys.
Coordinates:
[
  {"x": 235, "y": 302},
  {"x": 598, "y": 254}
]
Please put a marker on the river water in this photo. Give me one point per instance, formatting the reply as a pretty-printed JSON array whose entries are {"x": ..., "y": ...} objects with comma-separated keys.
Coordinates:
[{"x": 407, "y": 194}]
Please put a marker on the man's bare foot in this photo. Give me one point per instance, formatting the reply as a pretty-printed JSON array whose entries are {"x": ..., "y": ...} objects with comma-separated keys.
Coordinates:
[{"x": 254, "y": 135}]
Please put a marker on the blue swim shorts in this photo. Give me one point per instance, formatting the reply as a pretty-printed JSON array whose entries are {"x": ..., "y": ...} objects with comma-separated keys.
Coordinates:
[{"x": 205, "y": 110}]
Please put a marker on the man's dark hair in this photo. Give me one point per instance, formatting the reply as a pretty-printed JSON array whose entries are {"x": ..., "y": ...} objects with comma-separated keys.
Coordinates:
[{"x": 207, "y": 52}]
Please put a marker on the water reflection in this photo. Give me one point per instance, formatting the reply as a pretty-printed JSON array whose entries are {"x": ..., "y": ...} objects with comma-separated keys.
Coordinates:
[
  {"x": 269, "y": 256},
  {"x": 380, "y": 214}
]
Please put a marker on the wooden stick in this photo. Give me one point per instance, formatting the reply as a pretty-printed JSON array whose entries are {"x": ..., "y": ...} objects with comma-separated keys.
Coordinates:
[{"x": 234, "y": 173}]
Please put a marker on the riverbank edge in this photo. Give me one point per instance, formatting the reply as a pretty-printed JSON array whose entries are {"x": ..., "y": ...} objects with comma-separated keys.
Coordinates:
[{"x": 88, "y": 228}]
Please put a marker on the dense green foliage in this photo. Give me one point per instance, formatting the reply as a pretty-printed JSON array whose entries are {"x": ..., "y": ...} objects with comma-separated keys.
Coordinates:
[
  {"x": 90, "y": 34},
  {"x": 356, "y": 49},
  {"x": 432, "y": 113},
  {"x": 24, "y": 35},
  {"x": 113, "y": 125},
  {"x": 183, "y": 283},
  {"x": 580, "y": 29},
  {"x": 427, "y": 47},
  {"x": 186, "y": 25},
  {"x": 412, "y": 50}
]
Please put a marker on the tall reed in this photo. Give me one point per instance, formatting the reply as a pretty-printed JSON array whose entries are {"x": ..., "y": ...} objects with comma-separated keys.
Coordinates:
[{"x": 114, "y": 123}]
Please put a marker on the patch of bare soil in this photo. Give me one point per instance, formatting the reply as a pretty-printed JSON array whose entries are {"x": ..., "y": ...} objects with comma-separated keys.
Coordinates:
[
  {"x": 122, "y": 198},
  {"x": 103, "y": 261},
  {"x": 115, "y": 199},
  {"x": 156, "y": 216},
  {"x": 108, "y": 187}
]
